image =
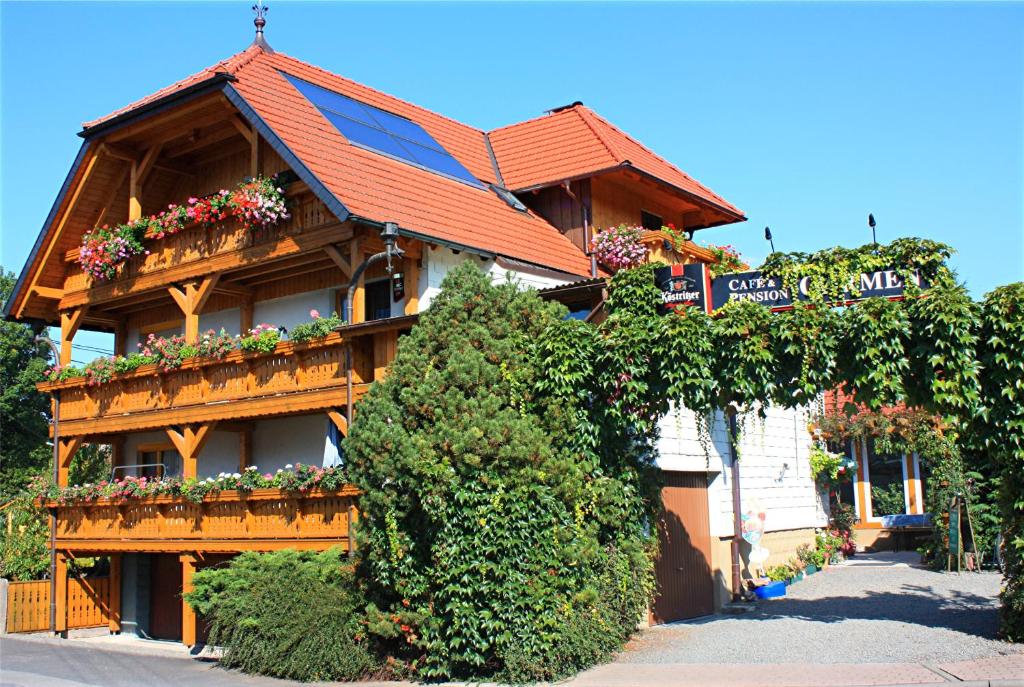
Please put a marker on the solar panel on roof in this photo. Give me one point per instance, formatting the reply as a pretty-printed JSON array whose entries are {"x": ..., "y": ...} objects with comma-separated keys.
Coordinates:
[{"x": 384, "y": 132}]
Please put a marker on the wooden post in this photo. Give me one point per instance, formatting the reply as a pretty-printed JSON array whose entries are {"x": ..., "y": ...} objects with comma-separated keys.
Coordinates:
[
  {"x": 140, "y": 169},
  {"x": 116, "y": 452},
  {"x": 191, "y": 299},
  {"x": 121, "y": 339},
  {"x": 66, "y": 450},
  {"x": 190, "y": 442},
  {"x": 358, "y": 313},
  {"x": 412, "y": 286},
  {"x": 70, "y": 322},
  {"x": 244, "y": 449},
  {"x": 61, "y": 593},
  {"x": 245, "y": 322},
  {"x": 114, "y": 610},
  {"x": 254, "y": 154},
  {"x": 188, "y": 616}
]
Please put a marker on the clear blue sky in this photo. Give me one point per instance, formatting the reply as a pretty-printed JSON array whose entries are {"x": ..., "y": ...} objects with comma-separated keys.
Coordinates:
[{"x": 806, "y": 116}]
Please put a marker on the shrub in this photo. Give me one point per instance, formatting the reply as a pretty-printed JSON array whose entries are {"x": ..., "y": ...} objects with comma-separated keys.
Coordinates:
[
  {"x": 488, "y": 543},
  {"x": 23, "y": 552},
  {"x": 289, "y": 614},
  {"x": 780, "y": 573}
]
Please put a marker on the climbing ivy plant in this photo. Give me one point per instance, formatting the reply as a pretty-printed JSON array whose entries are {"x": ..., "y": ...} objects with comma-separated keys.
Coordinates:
[{"x": 1000, "y": 431}]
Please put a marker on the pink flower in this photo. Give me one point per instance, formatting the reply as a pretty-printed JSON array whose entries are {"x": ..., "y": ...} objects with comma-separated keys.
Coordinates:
[{"x": 315, "y": 314}]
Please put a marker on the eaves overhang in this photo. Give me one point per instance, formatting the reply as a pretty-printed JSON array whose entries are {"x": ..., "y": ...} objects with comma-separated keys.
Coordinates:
[
  {"x": 57, "y": 203},
  {"x": 209, "y": 85}
]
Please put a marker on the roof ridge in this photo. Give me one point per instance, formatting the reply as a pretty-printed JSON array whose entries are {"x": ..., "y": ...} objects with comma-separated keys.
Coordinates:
[
  {"x": 546, "y": 115},
  {"x": 584, "y": 113},
  {"x": 278, "y": 53}
]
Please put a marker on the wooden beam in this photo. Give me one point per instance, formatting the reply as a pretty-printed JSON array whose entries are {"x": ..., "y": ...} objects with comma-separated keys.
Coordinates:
[
  {"x": 48, "y": 292},
  {"x": 191, "y": 299},
  {"x": 339, "y": 421},
  {"x": 55, "y": 236},
  {"x": 114, "y": 607},
  {"x": 188, "y": 616},
  {"x": 412, "y": 286},
  {"x": 61, "y": 590},
  {"x": 140, "y": 170},
  {"x": 244, "y": 449},
  {"x": 344, "y": 265},
  {"x": 245, "y": 315},
  {"x": 120, "y": 152},
  {"x": 184, "y": 112},
  {"x": 66, "y": 450},
  {"x": 358, "y": 313},
  {"x": 190, "y": 442},
  {"x": 232, "y": 289},
  {"x": 70, "y": 322}
]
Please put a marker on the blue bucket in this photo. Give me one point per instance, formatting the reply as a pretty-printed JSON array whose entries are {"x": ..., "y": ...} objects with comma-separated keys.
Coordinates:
[{"x": 771, "y": 590}]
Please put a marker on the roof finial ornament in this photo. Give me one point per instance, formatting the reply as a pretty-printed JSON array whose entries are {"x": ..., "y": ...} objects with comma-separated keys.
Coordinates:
[{"x": 260, "y": 21}]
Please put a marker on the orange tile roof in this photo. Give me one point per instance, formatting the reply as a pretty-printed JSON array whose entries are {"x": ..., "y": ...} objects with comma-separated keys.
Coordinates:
[
  {"x": 575, "y": 142},
  {"x": 375, "y": 187}
]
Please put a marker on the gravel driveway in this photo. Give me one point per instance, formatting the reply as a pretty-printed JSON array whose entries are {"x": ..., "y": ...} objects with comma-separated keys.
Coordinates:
[{"x": 878, "y": 608}]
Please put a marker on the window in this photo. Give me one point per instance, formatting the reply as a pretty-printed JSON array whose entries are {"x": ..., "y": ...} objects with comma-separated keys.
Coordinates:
[
  {"x": 383, "y": 132},
  {"x": 650, "y": 221},
  {"x": 154, "y": 461},
  {"x": 378, "y": 300},
  {"x": 377, "y": 295},
  {"x": 886, "y": 475}
]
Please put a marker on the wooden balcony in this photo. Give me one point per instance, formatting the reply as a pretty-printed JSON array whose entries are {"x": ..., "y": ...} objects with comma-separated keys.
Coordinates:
[
  {"x": 199, "y": 251},
  {"x": 293, "y": 378},
  {"x": 231, "y": 521}
]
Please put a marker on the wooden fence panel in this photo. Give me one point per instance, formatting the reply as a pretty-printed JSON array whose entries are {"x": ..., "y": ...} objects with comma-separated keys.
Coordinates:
[
  {"x": 28, "y": 604},
  {"x": 88, "y": 602}
]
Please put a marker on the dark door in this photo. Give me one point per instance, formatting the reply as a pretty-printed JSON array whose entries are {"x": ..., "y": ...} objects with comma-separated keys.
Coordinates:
[
  {"x": 165, "y": 597},
  {"x": 683, "y": 568}
]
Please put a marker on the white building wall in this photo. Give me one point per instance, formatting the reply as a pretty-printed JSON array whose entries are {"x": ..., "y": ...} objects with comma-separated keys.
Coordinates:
[
  {"x": 228, "y": 319},
  {"x": 289, "y": 440},
  {"x": 292, "y": 310},
  {"x": 774, "y": 466},
  {"x": 438, "y": 262}
]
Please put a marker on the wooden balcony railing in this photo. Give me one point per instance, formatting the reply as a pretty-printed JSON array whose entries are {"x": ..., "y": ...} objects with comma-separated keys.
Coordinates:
[
  {"x": 198, "y": 250},
  {"x": 231, "y": 521},
  {"x": 294, "y": 378}
]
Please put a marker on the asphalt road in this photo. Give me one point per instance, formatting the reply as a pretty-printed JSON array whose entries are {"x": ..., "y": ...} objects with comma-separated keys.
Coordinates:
[{"x": 32, "y": 662}]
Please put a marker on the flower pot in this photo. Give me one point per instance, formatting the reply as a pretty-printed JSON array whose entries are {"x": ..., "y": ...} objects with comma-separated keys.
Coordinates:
[
  {"x": 811, "y": 569},
  {"x": 770, "y": 591}
]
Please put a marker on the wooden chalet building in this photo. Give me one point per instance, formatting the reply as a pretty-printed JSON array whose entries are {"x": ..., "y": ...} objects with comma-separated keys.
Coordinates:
[{"x": 521, "y": 200}]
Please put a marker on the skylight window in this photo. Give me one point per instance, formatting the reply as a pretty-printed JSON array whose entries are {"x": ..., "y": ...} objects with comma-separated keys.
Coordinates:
[{"x": 383, "y": 132}]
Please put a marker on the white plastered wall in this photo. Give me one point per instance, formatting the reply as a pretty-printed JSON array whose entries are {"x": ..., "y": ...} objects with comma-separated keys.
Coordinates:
[
  {"x": 774, "y": 466},
  {"x": 439, "y": 261}
]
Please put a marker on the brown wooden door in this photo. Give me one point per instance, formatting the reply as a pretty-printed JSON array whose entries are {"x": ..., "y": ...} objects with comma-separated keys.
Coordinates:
[
  {"x": 683, "y": 568},
  {"x": 165, "y": 597}
]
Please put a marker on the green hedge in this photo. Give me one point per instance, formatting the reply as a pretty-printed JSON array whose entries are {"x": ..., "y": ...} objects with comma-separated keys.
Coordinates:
[{"x": 289, "y": 614}]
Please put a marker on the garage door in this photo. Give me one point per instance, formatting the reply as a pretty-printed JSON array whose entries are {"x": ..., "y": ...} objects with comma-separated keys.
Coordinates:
[{"x": 685, "y": 583}]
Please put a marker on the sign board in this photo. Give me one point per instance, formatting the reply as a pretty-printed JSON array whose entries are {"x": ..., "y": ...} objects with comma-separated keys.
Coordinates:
[
  {"x": 753, "y": 286},
  {"x": 682, "y": 286},
  {"x": 689, "y": 286}
]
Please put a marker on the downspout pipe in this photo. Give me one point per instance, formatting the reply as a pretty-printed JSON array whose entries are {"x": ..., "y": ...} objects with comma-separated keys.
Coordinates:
[
  {"x": 389, "y": 234},
  {"x": 586, "y": 228},
  {"x": 737, "y": 518},
  {"x": 42, "y": 338}
]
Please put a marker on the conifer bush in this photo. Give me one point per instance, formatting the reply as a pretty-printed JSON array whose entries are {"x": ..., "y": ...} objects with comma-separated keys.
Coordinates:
[
  {"x": 288, "y": 614},
  {"x": 491, "y": 544}
]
